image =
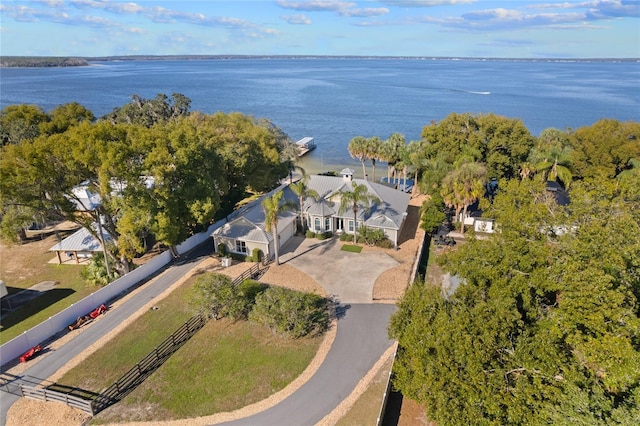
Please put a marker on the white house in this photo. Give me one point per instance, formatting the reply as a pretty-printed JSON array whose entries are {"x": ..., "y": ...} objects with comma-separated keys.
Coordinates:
[
  {"x": 247, "y": 231},
  {"x": 80, "y": 244}
]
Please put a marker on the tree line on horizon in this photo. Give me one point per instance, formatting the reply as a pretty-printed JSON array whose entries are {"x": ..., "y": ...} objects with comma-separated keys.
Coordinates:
[{"x": 545, "y": 325}]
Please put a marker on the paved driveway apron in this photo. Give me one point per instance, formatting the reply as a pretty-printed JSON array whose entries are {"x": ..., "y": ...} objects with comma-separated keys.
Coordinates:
[{"x": 349, "y": 276}]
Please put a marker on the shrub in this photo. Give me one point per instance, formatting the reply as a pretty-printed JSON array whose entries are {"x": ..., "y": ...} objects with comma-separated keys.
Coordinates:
[
  {"x": 310, "y": 234},
  {"x": 324, "y": 235},
  {"x": 291, "y": 312},
  {"x": 257, "y": 255},
  {"x": 95, "y": 273},
  {"x": 386, "y": 244},
  {"x": 246, "y": 294},
  {"x": 241, "y": 257},
  {"x": 214, "y": 295},
  {"x": 371, "y": 236},
  {"x": 222, "y": 250},
  {"x": 346, "y": 237}
]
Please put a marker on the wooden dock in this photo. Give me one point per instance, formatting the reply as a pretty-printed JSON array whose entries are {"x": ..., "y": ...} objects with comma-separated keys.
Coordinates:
[{"x": 305, "y": 145}]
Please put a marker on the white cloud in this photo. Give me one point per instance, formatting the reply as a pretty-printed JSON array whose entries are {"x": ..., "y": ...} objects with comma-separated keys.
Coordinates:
[
  {"x": 365, "y": 13},
  {"x": 426, "y": 3},
  {"x": 299, "y": 19},
  {"x": 50, "y": 3},
  {"x": 316, "y": 5}
]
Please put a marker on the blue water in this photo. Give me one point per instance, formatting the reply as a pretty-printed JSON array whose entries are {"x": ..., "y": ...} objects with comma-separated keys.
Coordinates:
[{"x": 334, "y": 100}]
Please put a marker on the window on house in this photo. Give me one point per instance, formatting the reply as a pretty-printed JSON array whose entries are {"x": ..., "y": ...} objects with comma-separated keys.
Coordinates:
[
  {"x": 241, "y": 246},
  {"x": 316, "y": 224},
  {"x": 327, "y": 223},
  {"x": 350, "y": 227}
]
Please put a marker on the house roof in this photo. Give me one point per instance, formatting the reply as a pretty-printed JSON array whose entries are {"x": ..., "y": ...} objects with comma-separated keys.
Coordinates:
[
  {"x": 389, "y": 213},
  {"x": 320, "y": 208},
  {"x": 250, "y": 226},
  {"x": 243, "y": 229},
  {"x": 82, "y": 240},
  {"x": 84, "y": 199}
]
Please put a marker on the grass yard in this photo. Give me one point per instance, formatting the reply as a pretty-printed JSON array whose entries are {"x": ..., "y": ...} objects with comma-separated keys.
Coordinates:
[
  {"x": 366, "y": 409},
  {"x": 225, "y": 366},
  {"x": 105, "y": 366},
  {"x": 351, "y": 248},
  {"x": 24, "y": 265}
]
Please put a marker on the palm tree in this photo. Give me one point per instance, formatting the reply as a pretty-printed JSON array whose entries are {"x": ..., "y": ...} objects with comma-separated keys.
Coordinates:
[
  {"x": 358, "y": 149},
  {"x": 552, "y": 156},
  {"x": 272, "y": 207},
  {"x": 559, "y": 169},
  {"x": 352, "y": 199},
  {"x": 390, "y": 149},
  {"x": 373, "y": 152},
  {"x": 463, "y": 186},
  {"x": 402, "y": 164},
  {"x": 303, "y": 192},
  {"x": 526, "y": 169}
]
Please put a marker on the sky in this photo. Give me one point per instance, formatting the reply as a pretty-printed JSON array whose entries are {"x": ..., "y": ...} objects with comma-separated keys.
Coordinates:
[{"x": 428, "y": 28}]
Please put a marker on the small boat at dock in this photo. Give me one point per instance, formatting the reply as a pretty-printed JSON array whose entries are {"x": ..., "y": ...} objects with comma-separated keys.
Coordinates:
[{"x": 305, "y": 145}]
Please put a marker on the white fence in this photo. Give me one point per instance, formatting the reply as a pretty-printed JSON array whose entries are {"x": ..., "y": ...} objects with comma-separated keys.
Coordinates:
[{"x": 45, "y": 330}]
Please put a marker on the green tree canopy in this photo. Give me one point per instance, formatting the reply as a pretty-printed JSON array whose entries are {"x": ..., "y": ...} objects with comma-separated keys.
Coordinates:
[
  {"x": 159, "y": 183},
  {"x": 604, "y": 148},
  {"x": 20, "y": 122},
  {"x": 501, "y": 143},
  {"x": 545, "y": 325},
  {"x": 147, "y": 112}
]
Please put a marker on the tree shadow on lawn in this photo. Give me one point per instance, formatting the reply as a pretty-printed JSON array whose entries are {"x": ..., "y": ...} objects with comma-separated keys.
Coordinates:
[{"x": 24, "y": 304}]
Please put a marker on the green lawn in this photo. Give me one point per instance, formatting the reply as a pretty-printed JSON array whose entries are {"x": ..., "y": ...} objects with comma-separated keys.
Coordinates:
[
  {"x": 351, "y": 248},
  {"x": 70, "y": 289},
  {"x": 225, "y": 366}
]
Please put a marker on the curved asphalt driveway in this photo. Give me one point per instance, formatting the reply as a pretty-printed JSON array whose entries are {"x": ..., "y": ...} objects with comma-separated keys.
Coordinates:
[{"x": 360, "y": 342}]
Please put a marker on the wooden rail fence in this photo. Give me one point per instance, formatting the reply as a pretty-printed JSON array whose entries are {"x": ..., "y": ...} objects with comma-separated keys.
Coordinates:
[
  {"x": 92, "y": 403},
  {"x": 149, "y": 364},
  {"x": 44, "y": 394},
  {"x": 248, "y": 274}
]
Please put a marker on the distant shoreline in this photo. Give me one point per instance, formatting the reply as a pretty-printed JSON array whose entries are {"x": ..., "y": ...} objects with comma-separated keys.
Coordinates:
[{"x": 60, "y": 61}]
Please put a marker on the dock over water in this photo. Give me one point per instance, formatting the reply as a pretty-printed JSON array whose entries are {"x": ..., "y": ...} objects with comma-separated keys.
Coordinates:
[{"x": 305, "y": 145}]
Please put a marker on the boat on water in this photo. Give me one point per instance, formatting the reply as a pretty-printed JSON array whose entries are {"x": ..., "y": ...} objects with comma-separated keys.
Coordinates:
[{"x": 305, "y": 145}]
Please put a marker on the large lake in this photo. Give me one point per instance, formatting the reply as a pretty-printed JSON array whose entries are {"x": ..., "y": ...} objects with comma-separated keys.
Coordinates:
[{"x": 334, "y": 100}]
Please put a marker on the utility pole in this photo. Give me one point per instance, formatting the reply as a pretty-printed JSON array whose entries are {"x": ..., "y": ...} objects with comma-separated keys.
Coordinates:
[{"x": 104, "y": 247}]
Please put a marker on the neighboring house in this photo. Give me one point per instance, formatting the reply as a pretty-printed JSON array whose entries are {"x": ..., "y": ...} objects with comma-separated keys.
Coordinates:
[
  {"x": 482, "y": 224},
  {"x": 247, "y": 231},
  {"x": 85, "y": 200},
  {"x": 81, "y": 244}
]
